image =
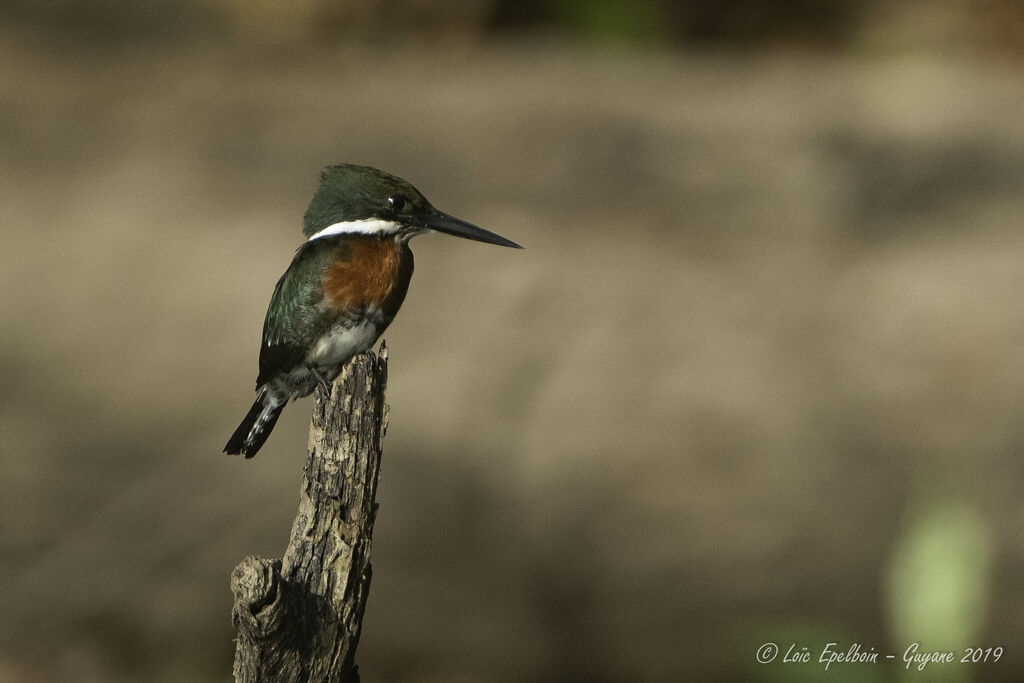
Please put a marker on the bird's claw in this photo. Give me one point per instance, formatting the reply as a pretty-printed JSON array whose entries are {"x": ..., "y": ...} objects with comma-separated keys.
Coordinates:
[{"x": 324, "y": 384}]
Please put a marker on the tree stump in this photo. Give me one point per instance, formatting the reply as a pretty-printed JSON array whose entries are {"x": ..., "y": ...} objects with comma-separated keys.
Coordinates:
[{"x": 299, "y": 618}]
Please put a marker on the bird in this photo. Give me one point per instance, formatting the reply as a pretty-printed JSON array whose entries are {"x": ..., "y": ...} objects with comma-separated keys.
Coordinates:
[{"x": 343, "y": 288}]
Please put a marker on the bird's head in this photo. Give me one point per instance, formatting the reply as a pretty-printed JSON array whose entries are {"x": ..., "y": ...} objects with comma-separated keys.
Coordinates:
[{"x": 361, "y": 200}]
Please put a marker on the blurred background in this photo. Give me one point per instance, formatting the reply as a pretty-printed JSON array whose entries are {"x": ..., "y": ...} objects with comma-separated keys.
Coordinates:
[{"x": 757, "y": 377}]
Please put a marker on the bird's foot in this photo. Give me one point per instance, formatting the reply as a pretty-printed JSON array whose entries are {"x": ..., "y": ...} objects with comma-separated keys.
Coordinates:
[{"x": 321, "y": 379}]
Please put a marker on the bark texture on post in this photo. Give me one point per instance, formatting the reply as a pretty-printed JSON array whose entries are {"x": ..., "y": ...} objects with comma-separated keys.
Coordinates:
[{"x": 299, "y": 618}]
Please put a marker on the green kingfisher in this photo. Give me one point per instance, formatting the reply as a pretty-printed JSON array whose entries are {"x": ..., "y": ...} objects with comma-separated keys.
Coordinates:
[{"x": 342, "y": 289}]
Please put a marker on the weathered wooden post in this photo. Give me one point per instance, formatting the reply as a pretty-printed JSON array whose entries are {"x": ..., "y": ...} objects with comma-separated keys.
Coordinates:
[{"x": 299, "y": 618}]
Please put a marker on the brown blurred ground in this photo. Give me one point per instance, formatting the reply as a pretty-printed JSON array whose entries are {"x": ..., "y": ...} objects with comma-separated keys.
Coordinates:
[{"x": 768, "y": 316}]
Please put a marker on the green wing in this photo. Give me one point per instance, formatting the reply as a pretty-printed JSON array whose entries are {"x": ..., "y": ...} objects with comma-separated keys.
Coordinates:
[{"x": 291, "y": 325}]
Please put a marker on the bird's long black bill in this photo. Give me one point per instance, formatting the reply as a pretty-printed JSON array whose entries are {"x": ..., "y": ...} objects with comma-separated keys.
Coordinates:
[{"x": 442, "y": 222}]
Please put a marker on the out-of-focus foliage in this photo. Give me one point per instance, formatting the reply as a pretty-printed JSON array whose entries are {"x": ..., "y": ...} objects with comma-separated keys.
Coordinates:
[
  {"x": 734, "y": 22},
  {"x": 986, "y": 25},
  {"x": 941, "y": 581}
]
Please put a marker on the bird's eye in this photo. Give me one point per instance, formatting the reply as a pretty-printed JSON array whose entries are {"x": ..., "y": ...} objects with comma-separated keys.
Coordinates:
[{"x": 397, "y": 202}]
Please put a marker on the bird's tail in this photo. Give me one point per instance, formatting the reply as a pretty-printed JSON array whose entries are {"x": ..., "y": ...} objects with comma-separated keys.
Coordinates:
[{"x": 257, "y": 425}]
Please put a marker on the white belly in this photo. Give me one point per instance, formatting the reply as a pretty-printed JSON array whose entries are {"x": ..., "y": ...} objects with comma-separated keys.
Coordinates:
[{"x": 341, "y": 343}]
